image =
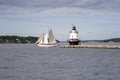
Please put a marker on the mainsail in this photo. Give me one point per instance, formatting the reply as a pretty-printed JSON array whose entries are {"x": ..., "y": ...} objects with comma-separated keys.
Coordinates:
[
  {"x": 46, "y": 38},
  {"x": 51, "y": 37}
]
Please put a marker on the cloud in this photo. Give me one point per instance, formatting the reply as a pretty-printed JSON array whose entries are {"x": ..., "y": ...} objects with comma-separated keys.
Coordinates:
[
  {"x": 43, "y": 8},
  {"x": 63, "y": 3}
]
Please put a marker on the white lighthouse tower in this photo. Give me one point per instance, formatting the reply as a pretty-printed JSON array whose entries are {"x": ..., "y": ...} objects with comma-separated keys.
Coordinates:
[{"x": 73, "y": 39}]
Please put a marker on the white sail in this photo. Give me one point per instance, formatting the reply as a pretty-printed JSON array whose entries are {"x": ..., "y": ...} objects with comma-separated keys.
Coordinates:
[
  {"x": 40, "y": 39},
  {"x": 51, "y": 37},
  {"x": 46, "y": 40}
]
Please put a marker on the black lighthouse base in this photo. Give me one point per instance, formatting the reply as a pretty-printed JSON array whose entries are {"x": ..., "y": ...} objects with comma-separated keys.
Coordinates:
[{"x": 73, "y": 41}]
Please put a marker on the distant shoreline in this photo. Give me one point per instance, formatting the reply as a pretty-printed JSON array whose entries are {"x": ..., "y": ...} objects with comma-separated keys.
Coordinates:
[
  {"x": 17, "y": 39},
  {"x": 7, "y": 39}
]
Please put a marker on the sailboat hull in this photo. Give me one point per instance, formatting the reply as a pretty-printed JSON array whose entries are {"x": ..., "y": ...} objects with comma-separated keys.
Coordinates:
[{"x": 47, "y": 45}]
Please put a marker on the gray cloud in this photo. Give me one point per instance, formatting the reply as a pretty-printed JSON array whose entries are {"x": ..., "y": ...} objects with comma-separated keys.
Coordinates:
[
  {"x": 41, "y": 8},
  {"x": 63, "y": 3}
]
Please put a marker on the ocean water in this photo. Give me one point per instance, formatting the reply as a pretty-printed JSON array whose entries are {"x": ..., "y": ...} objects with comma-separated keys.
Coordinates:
[{"x": 30, "y": 62}]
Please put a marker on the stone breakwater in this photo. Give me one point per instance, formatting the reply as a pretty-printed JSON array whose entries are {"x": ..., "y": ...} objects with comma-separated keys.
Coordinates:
[{"x": 90, "y": 46}]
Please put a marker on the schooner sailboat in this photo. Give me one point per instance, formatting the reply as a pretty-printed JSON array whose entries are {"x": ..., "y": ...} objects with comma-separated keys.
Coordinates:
[{"x": 46, "y": 39}]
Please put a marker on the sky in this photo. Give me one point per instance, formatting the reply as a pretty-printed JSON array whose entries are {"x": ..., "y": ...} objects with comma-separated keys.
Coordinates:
[{"x": 94, "y": 19}]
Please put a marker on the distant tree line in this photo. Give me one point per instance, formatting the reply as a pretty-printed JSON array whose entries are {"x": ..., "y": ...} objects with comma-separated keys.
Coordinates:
[
  {"x": 17, "y": 39},
  {"x": 106, "y": 40},
  {"x": 30, "y": 39},
  {"x": 112, "y": 40}
]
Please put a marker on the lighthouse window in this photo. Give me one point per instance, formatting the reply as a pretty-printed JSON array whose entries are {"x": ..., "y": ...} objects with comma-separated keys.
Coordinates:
[
  {"x": 73, "y": 28},
  {"x": 72, "y": 36}
]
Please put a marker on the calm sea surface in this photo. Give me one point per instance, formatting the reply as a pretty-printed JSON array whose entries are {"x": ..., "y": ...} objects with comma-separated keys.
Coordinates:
[{"x": 30, "y": 62}]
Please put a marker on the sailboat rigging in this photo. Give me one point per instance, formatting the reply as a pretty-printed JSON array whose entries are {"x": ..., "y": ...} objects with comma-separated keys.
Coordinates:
[{"x": 46, "y": 39}]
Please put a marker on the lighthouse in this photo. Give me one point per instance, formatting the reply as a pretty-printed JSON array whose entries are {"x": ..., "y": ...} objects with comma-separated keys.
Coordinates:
[{"x": 73, "y": 39}]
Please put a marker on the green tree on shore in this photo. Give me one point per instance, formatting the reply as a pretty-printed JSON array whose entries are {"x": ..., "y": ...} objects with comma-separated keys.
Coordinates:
[{"x": 17, "y": 39}]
